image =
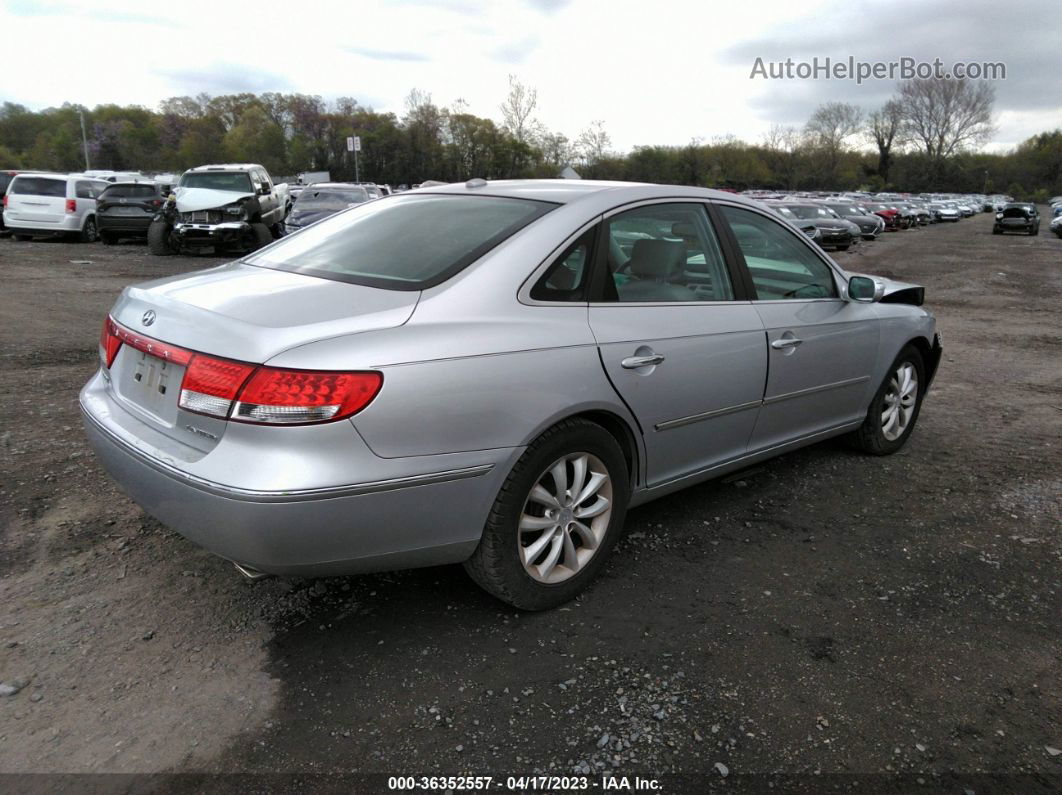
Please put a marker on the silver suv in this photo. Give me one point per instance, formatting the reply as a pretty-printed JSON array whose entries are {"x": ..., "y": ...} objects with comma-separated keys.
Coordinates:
[{"x": 43, "y": 204}]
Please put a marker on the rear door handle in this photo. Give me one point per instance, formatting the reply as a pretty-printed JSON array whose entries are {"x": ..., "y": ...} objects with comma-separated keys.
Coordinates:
[
  {"x": 634, "y": 362},
  {"x": 786, "y": 342}
]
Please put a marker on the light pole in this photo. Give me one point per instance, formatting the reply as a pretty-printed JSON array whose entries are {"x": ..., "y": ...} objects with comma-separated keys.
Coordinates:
[{"x": 84, "y": 138}]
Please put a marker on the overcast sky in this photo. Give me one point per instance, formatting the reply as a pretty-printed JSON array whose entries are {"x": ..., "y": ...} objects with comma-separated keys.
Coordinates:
[{"x": 662, "y": 72}]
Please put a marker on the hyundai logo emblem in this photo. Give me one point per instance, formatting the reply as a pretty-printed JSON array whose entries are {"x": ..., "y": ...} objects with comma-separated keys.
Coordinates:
[{"x": 148, "y": 318}]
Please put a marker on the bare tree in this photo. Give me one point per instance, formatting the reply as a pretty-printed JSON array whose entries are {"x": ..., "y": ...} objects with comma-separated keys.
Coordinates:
[
  {"x": 593, "y": 143},
  {"x": 518, "y": 109},
  {"x": 784, "y": 150},
  {"x": 828, "y": 130},
  {"x": 944, "y": 117},
  {"x": 885, "y": 129}
]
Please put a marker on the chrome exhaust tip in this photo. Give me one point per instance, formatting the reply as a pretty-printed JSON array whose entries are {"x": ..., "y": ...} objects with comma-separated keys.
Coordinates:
[{"x": 252, "y": 575}]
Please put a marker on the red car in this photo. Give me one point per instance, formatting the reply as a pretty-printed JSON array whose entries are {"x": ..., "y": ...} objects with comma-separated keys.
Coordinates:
[{"x": 890, "y": 216}]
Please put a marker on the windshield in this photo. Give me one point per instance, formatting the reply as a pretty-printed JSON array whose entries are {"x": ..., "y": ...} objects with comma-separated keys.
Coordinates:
[
  {"x": 236, "y": 181},
  {"x": 786, "y": 213},
  {"x": 402, "y": 243},
  {"x": 331, "y": 199}
]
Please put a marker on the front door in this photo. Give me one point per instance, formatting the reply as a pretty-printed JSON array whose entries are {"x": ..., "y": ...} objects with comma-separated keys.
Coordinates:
[{"x": 821, "y": 348}]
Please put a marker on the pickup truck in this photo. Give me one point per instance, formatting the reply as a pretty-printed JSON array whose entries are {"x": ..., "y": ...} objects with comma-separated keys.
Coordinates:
[{"x": 227, "y": 206}]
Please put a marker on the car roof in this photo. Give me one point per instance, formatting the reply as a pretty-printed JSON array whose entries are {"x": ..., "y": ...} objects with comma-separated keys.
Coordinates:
[
  {"x": 332, "y": 185},
  {"x": 568, "y": 191},
  {"x": 227, "y": 167}
]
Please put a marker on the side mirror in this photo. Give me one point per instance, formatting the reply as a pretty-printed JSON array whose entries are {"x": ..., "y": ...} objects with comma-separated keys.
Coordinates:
[
  {"x": 264, "y": 190},
  {"x": 865, "y": 290}
]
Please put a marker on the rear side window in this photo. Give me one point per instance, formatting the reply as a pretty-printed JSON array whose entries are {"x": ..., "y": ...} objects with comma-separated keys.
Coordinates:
[
  {"x": 89, "y": 190},
  {"x": 38, "y": 186},
  {"x": 402, "y": 243},
  {"x": 567, "y": 278}
]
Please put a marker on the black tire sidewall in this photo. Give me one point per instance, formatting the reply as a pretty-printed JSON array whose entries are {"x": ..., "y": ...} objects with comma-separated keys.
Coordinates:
[
  {"x": 872, "y": 427},
  {"x": 501, "y": 532}
]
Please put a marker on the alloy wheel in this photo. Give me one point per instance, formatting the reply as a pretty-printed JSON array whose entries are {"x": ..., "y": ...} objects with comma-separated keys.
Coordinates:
[
  {"x": 565, "y": 518},
  {"x": 901, "y": 398}
]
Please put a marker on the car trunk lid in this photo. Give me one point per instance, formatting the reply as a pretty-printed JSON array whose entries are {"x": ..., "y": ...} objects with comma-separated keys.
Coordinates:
[{"x": 238, "y": 312}]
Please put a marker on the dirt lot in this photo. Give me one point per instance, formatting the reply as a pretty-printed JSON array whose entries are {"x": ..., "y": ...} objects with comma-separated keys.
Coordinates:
[{"x": 824, "y": 614}]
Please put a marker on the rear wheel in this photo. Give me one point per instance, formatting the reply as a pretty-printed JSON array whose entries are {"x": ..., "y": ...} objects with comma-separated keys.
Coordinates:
[
  {"x": 88, "y": 231},
  {"x": 158, "y": 238},
  {"x": 894, "y": 410},
  {"x": 556, "y": 518}
]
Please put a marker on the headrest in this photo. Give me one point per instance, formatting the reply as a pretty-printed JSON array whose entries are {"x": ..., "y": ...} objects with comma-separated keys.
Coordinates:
[
  {"x": 657, "y": 259},
  {"x": 683, "y": 229}
]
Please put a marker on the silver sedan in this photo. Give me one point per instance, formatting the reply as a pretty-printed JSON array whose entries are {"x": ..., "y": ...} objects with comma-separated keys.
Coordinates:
[{"x": 492, "y": 373}]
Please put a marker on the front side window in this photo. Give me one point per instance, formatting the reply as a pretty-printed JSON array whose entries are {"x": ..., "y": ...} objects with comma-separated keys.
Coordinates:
[
  {"x": 665, "y": 252},
  {"x": 402, "y": 243},
  {"x": 781, "y": 265},
  {"x": 334, "y": 200}
]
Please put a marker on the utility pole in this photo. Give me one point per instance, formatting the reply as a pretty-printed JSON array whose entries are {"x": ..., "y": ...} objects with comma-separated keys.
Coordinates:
[{"x": 84, "y": 138}]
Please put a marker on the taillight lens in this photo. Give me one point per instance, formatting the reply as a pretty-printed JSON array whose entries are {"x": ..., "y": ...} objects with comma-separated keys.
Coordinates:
[
  {"x": 210, "y": 385},
  {"x": 71, "y": 205},
  {"x": 246, "y": 392},
  {"x": 277, "y": 396},
  {"x": 5, "y": 200},
  {"x": 110, "y": 342}
]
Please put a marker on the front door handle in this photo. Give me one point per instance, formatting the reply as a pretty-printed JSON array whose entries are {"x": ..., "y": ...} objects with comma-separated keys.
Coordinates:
[
  {"x": 634, "y": 362},
  {"x": 786, "y": 342}
]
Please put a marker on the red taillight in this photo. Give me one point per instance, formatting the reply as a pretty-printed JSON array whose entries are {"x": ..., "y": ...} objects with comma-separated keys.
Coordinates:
[
  {"x": 299, "y": 396},
  {"x": 110, "y": 342},
  {"x": 71, "y": 205},
  {"x": 5, "y": 200},
  {"x": 210, "y": 385},
  {"x": 246, "y": 392}
]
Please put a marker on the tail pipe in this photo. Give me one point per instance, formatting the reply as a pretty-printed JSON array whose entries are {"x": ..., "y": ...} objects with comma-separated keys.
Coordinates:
[{"x": 252, "y": 574}]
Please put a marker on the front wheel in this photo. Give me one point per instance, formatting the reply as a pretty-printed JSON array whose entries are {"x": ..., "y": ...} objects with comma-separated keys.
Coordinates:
[
  {"x": 158, "y": 238},
  {"x": 260, "y": 236},
  {"x": 894, "y": 410},
  {"x": 557, "y": 516}
]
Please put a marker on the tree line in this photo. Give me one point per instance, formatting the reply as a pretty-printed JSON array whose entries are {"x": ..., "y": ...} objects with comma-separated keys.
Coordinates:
[{"x": 923, "y": 139}]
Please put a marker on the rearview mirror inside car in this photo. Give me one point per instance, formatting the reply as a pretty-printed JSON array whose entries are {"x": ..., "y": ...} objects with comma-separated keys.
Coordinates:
[{"x": 865, "y": 290}]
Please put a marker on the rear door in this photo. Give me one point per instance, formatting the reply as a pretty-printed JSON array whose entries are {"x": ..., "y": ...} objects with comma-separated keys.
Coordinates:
[
  {"x": 677, "y": 336},
  {"x": 36, "y": 200},
  {"x": 821, "y": 348}
]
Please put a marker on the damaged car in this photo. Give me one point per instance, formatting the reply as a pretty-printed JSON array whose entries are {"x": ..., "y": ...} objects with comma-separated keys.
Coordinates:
[{"x": 234, "y": 206}]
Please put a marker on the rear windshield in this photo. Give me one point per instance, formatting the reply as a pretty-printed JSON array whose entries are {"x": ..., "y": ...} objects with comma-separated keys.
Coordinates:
[
  {"x": 37, "y": 186},
  {"x": 402, "y": 243},
  {"x": 237, "y": 181},
  {"x": 333, "y": 199},
  {"x": 129, "y": 192}
]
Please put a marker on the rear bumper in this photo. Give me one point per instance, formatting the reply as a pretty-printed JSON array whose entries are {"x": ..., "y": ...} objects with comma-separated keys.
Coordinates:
[
  {"x": 376, "y": 522},
  {"x": 70, "y": 223}
]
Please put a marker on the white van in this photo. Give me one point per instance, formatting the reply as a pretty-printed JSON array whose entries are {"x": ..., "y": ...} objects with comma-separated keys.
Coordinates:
[{"x": 41, "y": 204}]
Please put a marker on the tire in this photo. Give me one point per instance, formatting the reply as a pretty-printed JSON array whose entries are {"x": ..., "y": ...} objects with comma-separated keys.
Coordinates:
[
  {"x": 1035, "y": 232},
  {"x": 158, "y": 238},
  {"x": 276, "y": 231},
  {"x": 108, "y": 238},
  {"x": 498, "y": 564},
  {"x": 89, "y": 232},
  {"x": 261, "y": 236},
  {"x": 872, "y": 437}
]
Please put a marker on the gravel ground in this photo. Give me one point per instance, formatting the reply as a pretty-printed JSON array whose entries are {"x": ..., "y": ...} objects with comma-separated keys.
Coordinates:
[{"x": 824, "y": 617}]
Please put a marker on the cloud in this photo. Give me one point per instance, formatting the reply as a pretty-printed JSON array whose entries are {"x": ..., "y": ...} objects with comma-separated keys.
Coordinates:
[
  {"x": 225, "y": 78},
  {"x": 548, "y": 6},
  {"x": 516, "y": 52},
  {"x": 957, "y": 30},
  {"x": 387, "y": 55}
]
